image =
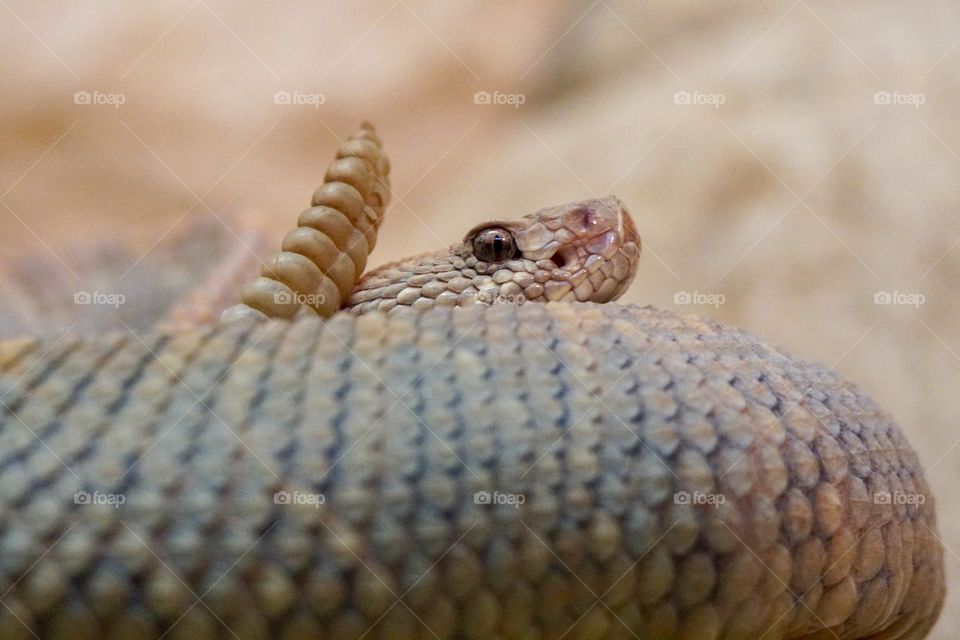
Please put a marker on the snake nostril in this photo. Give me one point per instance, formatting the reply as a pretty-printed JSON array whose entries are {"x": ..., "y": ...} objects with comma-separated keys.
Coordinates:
[{"x": 559, "y": 260}]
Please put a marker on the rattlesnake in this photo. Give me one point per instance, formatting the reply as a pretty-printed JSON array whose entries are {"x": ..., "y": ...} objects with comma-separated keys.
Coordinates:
[{"x": 468, "y": 464}]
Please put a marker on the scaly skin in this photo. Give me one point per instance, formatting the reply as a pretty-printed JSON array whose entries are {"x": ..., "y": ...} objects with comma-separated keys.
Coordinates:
[
  {"x": 595, "y": 416},
  {"x": 550, "y": 471}
]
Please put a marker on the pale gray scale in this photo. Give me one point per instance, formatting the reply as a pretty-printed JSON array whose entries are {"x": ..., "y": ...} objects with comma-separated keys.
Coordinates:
[
  {"x": 408, "y": 295},
  {"x": 459, "y": 284},
  {"x": 565, "y": 236},
  {"x": 583, "y": 290},
  {"x": 555, "y": 290},
  {"x": 393, "y": 290},
  {"x": 533, "y": 291},
  {"x": 447, "y": 299},
  {"x": 593, "y": 263},
  {"x": 502, "y": 276},
  {"x": 523, "y": 279},
  {"x": 433, "y": 289},
  {"x": 420, "y": 279},
  {"x": 577, "y": 278},
  {"x": 597, "y": 280}
]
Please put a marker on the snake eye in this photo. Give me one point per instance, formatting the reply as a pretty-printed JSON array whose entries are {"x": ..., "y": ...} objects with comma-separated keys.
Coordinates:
[{"x": 494, "y": 245}]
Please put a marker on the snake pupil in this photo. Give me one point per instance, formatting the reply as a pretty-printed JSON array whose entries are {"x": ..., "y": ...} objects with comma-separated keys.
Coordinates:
[{"x": 494, "y": 245}]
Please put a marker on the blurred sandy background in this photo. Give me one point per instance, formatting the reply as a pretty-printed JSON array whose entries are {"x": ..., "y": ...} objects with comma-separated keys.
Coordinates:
[{"x": 791, "y": 160}]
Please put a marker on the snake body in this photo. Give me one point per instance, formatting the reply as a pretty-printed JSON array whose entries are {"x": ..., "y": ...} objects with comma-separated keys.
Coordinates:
[{"x": 452, "y": 469}]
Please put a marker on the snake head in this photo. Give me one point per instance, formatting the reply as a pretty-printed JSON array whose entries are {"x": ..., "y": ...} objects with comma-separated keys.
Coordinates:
[
  {"x": 585, "y": 251},
  {"x": 582, "y": 251}
]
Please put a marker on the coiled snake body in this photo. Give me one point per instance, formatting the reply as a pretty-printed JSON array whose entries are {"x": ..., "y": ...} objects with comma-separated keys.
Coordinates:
[{"x": 491, "y": 470}]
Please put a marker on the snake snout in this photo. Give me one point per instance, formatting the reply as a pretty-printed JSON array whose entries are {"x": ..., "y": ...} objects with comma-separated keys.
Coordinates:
[
  {"x": 627, "y": 228},
  {"x": 595, "y": 249},
  {"x": 614, "y": 249}
]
